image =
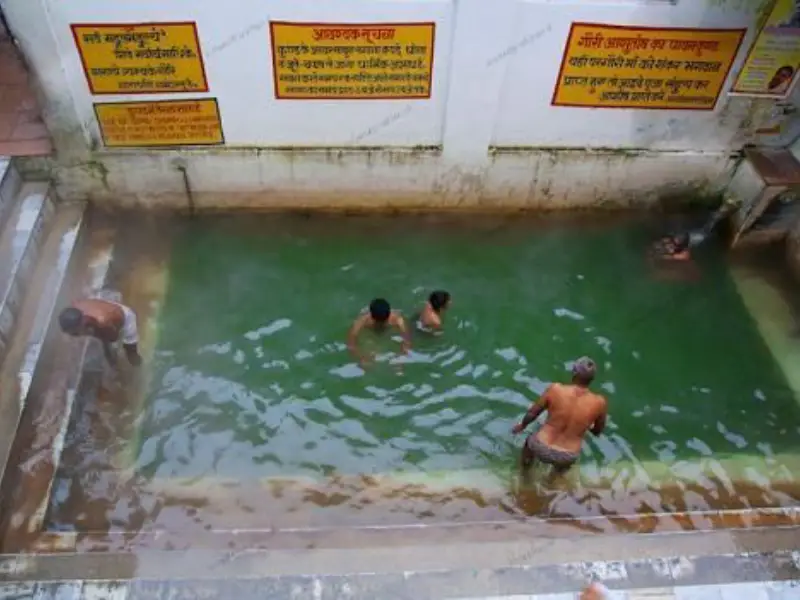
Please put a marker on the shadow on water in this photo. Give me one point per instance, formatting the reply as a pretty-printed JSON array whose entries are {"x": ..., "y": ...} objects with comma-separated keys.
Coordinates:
[{"x": 255, "y": 415}]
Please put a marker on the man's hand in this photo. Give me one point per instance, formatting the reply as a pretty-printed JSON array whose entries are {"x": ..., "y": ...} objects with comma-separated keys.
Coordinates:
[
  {"x": 111, "y": 356},
  {"x": 518, "y": 428},
  {"x": 132, "y": 353}
]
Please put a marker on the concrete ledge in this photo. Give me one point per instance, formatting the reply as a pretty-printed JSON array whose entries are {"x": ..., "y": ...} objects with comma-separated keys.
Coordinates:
[
  {"x": 386, "y": 179},
  {"x": 377, "y": 558},
  {"x": 21, "y": 244},
  {"x": 10, "y": 184}
]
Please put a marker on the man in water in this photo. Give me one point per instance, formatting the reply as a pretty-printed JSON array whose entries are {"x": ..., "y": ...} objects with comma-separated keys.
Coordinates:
[
  {"x": 107, "y": 321},
  {"x": 674, "y": 247},
  {"x": 379, "y": 317},
  {"x": 572, "y": 410},
  {"x": 430, "y": 318}
]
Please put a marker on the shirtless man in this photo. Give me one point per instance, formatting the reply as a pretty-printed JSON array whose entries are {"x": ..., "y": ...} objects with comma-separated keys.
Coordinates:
[
  {"x": 674, "y": 247},
  {"x": 572, "y": 410},
  {"x": 107, "y": 321},
  {"x": 430, "y": 317},
  {"x": 379, "y": 317}
]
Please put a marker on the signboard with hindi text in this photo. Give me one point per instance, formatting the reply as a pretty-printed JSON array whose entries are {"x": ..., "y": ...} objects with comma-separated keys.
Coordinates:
[
  {"x": 615, "y": 66},
  {"x": 141, "y": 58},
  {"x": 771, "y": 66},
  {"x": 330, "y": 61},
  {"x": 160, "y": 123}
]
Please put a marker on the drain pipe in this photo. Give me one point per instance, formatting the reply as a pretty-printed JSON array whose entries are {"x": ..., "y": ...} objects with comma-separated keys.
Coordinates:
[{"x": 180, "y": 165}]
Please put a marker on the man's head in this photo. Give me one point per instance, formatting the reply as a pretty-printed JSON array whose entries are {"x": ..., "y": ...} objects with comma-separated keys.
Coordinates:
[
  {"x": 680, "y": 242},
  {"x": 72, "y": 321},
  {"x": 439, "y": 300},
  {"x": 379, "y": 310},
  {"x": 583, "y": 371}
]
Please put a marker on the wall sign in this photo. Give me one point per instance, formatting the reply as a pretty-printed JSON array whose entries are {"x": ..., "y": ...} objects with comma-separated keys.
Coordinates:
[
  {"x": 614, "y": 66},
  {"x": 160, "y": 123},
  {"x": 141, "y": 58},
  {"x": 329, "y": 61},
  {"x": 771, "y": 66}
]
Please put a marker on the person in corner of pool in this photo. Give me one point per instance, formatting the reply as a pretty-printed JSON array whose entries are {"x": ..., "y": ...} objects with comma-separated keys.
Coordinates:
[
  {"x": 674, "y": 247},
  {"x": 572, "y": 410},
  {"x": 109, "y": 322},
  {"x": 430, "y": 317},
  {"x": 379, "y": 317}
]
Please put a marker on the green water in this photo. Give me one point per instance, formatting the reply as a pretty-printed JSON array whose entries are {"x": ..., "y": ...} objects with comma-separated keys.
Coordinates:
[{"x": 251, "y": 377}]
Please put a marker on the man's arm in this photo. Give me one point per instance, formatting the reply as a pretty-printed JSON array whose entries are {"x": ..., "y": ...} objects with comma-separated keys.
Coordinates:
[
  {"x": 352, "y": 338},
  {"x": 600, "y": 422},
  {"x": 536, "y": 409},
  {"x": 400, "y": 323},
  {"x": 108, "y": 350}
]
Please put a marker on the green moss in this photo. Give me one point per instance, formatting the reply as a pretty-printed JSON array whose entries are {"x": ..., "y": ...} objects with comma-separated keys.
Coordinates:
[
  {"x": 97, "y": 170},
  {"x": 688, "y": 197}
]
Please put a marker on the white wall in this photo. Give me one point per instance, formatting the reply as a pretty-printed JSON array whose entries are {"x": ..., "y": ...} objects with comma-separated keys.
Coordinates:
[{"x": 495, "y": 66}]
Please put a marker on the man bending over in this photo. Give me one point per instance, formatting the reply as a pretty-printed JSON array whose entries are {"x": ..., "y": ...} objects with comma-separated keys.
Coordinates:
[
  {"x": 109, "y": 322},
  {"x": 572, "y": 410}
]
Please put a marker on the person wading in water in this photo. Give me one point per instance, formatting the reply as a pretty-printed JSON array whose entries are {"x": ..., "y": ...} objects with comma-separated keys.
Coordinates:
[
  {"x": 429, "y": 319},
  {"x": 572, "y": 410},
  {"x": 109, "y": 322},
  {"x": 379, "y": 317}
]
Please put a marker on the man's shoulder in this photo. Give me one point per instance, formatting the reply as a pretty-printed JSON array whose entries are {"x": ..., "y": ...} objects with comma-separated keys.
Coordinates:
[{"x": 600, "y": 399}]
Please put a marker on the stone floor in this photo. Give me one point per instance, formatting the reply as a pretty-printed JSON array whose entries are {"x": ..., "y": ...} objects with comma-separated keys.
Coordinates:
[
  {"x": 747, "y": 576},
  {"x": 256, "y": 589},
  {"x": 22, "y": 132}
]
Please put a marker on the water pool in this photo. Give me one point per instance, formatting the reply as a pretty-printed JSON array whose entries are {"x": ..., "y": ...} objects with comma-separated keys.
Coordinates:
[{"x": 255, "y": 407}]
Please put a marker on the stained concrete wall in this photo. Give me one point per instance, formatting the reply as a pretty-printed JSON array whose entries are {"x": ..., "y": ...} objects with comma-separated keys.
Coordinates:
[{"x": 487, "y": 136}]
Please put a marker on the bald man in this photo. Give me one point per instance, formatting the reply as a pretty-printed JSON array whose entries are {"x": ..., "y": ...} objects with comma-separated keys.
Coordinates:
[{"x": 572, "y": 410}]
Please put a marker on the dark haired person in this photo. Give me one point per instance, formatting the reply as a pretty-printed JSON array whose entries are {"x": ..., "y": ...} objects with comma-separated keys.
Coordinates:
[
  {"x": 572, "y": 410},
  {"x": 110, "y": 322},
  {"x": 674, "y": 247},
  {"x": 378, "y": 317},
  {"x": 430, "y": 317}
]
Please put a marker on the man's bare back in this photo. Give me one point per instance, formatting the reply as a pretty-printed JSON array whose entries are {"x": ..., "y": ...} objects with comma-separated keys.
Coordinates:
[{"x": 572, "y": 410}]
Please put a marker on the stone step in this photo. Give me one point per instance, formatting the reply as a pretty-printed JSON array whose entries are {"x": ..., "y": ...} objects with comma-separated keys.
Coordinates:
[
  {"x": 773, "y": 576},
  {"x": 20, "y": 245},
  {"x": 379, "y": 555},
  {"x": 32, "y": 319}
]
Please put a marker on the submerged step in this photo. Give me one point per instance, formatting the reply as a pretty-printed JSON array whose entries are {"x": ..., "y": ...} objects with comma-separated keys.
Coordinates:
[
  {"x": 19, "y": 250},
  {"x": 49, "y": 375}
]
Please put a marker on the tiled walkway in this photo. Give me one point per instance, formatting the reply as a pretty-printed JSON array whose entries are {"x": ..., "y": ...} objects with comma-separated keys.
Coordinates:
[{"x": 22, "y": 132}]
